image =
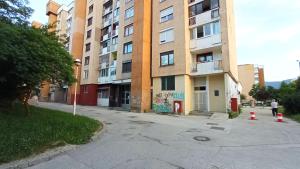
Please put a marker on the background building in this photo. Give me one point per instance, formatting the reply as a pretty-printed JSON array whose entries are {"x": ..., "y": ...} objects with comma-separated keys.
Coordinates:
[{"x": 250, "y": 74}]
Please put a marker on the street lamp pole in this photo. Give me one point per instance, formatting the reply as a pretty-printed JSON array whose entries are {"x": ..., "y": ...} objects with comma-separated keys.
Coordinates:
[
  {"x": 77, "y": 63},
  {"x": 298, "y": 63}
]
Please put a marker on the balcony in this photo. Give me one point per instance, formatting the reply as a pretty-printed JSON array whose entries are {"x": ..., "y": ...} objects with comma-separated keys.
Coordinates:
[
  {"x": 105, "y": 37},
  {"x": 107, "y": 22},
  {"x": 210, "y": 42},
  {"x": 207, "y": 68},
  {"x": 115, "y": 32},
  {"x": 105, "y": 50},
  {"x": 204, "y": 18},
  {"x": 111, "y": 74},
  {"x": 107, "y": 11},
  {"x": 114, "y": 47}
]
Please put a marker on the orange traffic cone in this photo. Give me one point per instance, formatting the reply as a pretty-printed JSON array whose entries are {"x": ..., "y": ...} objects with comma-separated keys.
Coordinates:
[
  {"x": 252, "y": 116},
  {"x": 279, "y": 117}
]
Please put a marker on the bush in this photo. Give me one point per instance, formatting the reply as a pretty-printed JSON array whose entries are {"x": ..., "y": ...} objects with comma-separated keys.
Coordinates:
[{"x": 291, "y": 103}]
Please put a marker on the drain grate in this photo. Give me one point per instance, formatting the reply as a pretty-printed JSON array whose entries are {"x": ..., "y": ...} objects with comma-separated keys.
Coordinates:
[
  {"x": 218, "y": 128},
  {"x": 201, "y": 138}
]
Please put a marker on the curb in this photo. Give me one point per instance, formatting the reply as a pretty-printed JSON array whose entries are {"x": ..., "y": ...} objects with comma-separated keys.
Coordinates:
[{"x": 49, "y": 154}]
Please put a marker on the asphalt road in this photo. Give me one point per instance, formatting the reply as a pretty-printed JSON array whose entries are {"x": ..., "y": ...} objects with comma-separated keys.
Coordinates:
[{"x": 152, "y": 141}]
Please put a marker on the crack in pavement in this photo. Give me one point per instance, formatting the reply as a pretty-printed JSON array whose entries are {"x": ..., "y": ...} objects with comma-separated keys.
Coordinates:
[{"x": 153, "y": 139}]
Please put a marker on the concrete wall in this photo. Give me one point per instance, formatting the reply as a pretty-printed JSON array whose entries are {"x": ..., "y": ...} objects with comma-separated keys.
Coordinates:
[
  {"x": 246, "y": 78},
  {"x": 228, "y": 38},
  {"x": 93, "y": 66},
  {"x": 141, "y": 57},
  {"x": 180, "y": 45}
]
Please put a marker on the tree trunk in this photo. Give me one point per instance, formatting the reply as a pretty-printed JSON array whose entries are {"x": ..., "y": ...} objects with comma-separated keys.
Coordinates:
[{"x": 26, "y": 97}]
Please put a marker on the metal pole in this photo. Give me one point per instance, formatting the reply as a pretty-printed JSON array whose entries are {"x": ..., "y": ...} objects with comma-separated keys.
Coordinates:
[{"x": 75, "y": 96}]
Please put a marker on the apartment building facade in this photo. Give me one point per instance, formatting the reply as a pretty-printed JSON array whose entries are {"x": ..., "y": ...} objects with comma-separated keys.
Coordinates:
[
  {"x": 68, "y": 22},
  {"x": 164, "y": 55},
  {"x": 249, "y": 75}
]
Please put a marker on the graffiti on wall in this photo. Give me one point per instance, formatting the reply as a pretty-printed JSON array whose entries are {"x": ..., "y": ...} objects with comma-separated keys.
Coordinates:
[{"x": 163, "y": 102}]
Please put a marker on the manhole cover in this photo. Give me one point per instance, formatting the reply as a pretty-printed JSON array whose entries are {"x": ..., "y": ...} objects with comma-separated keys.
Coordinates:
[
  {"x": 201, "y": 138},
  {"x": 218, "y": 128}
]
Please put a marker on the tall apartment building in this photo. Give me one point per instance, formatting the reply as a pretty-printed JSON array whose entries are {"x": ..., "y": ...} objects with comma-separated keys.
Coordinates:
[
  {"x": 250, "y": 74},
  {"x": 194, "y": 56},
  {"x": 164, "y": 55},
  {"x": 68, "y": 23}
]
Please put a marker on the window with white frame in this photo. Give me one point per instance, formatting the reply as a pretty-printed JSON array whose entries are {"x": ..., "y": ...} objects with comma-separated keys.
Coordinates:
[
  {"x": 166, "y": 14},
  {"x": 128, "y": 30},
  {"x": 167, "y": 36},
  {"x": 213, "y": 28},
  {"x": 129, "y": 13}
]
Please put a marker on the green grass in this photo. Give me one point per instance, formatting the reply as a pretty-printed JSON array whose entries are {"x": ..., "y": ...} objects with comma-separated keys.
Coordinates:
[
  {"x": 295, "y": 117},
  {"x": 22, "y": 136}
]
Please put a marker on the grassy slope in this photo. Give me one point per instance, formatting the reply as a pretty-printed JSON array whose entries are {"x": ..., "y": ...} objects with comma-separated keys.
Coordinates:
[{"x": 21, "y": 136}]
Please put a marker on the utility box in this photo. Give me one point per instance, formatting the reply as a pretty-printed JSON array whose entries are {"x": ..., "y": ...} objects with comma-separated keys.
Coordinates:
[{"x": 178, "y": 107}]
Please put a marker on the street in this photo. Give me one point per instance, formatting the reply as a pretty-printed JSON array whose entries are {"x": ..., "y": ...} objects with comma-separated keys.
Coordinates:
[{"x": 153, "y": 141}]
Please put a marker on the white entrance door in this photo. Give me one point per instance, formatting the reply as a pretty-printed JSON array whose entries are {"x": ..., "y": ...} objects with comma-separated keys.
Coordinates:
[
  {"x": 201, "y": 101},
  {"x": 201, "y": 94},
  {"x": 103, "y": 97}
]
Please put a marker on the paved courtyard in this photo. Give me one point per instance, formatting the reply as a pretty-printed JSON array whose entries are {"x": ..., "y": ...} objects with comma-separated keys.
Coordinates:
[{"x": 151, "y": 141}]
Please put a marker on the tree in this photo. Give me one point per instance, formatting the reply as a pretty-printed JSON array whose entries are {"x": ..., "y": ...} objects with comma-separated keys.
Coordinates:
[
  {"x": 259, "y": 93},
  {"x": 15, "y": 11},
  {"x": 29, "y": 56},
  {"x": 243, "y": 97}
]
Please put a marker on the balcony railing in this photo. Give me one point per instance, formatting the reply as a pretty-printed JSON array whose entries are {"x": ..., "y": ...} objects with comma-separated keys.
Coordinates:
[
  {"x": 204, "y": 17},
  {"x": 213, "y": 67}
]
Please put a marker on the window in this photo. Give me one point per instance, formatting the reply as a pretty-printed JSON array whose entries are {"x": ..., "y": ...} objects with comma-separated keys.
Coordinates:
[
  {"x": 86, "y": 74},
  {"x": 88, "y": 34},
  {"x": 215, "y": 13},
  {"x": 168, "y": 83},
  {"x": 202, "y": 7},
  {"x": 87, "y": 60},
  {"x": 127, "y": 1},
  {"x": 129, "y": 13},
  {"x": 203, "y": 58},
  {"x": 213, "y": 28},
  {"x": 217, "y": 93},
  {"x": 166, "y": 14},
  {"x": 126, "y": 67},
  {"x": 207, "y": 29},
  {"x": 128, "y": 30},
  {"x": 90, "y": 21},
  {"x": 104, "y": 72},
  {"x": 87, "y": 47},
  {"x": 214, "y": 4},
  {"x": 91, "y": 8},
  {"x": 166, "y": 36},
  {"x": 127, "y": 48},
  {"x": 167, "y": 58},
  {"x": 216, "y": 27}
]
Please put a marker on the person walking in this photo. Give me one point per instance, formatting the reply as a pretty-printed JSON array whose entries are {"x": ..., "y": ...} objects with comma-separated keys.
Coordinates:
[{"x": 274, "y": 105}]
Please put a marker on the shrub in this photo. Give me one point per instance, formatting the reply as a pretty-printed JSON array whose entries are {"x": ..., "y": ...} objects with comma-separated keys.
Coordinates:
[{"x": 291, "y": 103}]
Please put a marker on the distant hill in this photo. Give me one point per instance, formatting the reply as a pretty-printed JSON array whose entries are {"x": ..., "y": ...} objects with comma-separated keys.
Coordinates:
[{"x": 277, "y": 84}]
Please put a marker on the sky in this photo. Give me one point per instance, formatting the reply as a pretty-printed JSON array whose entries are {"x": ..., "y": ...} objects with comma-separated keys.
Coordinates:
[{"x": 267, "y": 32}]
